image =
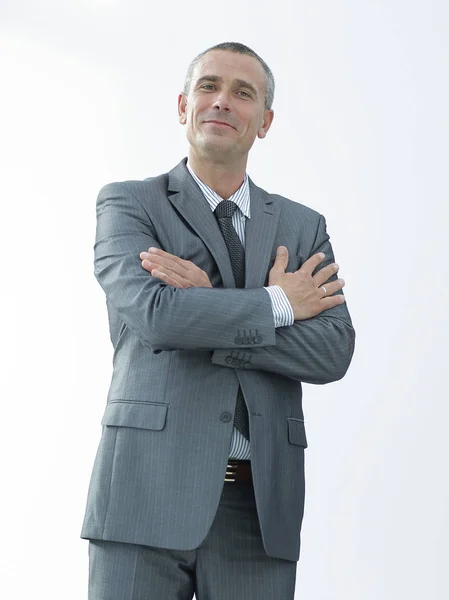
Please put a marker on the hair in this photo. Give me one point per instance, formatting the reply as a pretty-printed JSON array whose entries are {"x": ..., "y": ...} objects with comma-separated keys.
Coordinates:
[{"x": 238, "y": 49}]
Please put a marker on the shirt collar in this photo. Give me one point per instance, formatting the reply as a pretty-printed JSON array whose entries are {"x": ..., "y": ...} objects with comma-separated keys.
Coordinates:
[{"x": 240, "y": 197}]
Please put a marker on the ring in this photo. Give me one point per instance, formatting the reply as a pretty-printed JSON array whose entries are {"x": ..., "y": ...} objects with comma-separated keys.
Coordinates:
[{"x": 324, "y": 290}]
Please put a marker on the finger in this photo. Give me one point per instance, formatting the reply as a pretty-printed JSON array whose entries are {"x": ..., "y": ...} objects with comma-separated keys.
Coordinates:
[
  {"x": 147, "y": 265},
  {"x": 331, "y": 288},
  {"x": 153, "y": 261},
  {"x": 281, "y": 259},
  {"x": 169, "y": 275},
  {"x": 311, "y": 263},
  {"x": 162, "y": 253},
  {"x": 325, "y": 274},
  {"x": 166, "y": 278},
  {"x": 332, "y": 301}
]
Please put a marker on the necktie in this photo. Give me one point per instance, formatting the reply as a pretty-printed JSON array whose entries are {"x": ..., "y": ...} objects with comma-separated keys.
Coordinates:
[{"x": 224, "y": 212}]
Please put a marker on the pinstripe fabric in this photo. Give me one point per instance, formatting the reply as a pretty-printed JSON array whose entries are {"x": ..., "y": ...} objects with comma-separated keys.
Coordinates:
[
  {"x": 231, "y": 563},
  {"x": 282, "y": 310},
  {"x": 167, "y": 427}
]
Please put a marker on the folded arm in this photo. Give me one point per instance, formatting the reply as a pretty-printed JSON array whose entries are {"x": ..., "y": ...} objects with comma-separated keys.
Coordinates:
[
  {"x": 313, "y": 350},
  {"x": 317, "y": 349},
  {"x": 161, "y": 316}
]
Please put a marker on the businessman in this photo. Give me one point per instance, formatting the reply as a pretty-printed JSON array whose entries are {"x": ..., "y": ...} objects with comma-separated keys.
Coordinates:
[{"x": 222, "y": 299}]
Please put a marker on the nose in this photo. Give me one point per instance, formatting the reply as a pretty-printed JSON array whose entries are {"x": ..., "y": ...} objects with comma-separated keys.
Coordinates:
[{"x": 222, "y": 102}]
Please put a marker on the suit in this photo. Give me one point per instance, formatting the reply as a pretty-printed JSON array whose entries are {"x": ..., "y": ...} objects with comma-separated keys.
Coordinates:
[{"x": 180, "y": 355}]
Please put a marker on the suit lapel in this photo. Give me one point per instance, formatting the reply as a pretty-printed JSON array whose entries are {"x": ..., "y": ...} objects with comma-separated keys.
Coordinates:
[
  {"x": 188, "y": 200},
  {"x": 260, "y": 231}
]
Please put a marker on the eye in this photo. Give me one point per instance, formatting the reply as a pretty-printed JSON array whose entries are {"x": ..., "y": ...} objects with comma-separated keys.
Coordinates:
[
  {"x": 244, "y": 94},
  {"x": 207, "y": 86}
]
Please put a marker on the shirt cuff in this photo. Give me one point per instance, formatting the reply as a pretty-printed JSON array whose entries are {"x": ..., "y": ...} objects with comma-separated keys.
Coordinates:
[{"x": 282, "y": 309}]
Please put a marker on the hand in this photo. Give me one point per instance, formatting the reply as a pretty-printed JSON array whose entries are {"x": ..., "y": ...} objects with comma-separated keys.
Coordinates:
[
  {"x": 304, "y": 291},
  {"x": 173, "y": 270}
]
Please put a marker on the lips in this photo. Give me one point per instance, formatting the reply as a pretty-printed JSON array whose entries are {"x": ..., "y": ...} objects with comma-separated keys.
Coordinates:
[{"x": 219, "y": 123}]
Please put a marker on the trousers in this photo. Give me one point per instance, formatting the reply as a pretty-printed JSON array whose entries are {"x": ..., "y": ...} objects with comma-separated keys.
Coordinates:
[{"x": 230, "y": 563}]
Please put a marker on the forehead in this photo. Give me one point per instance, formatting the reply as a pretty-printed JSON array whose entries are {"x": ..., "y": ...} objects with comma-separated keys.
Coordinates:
[{"x": 231, "y": 65}]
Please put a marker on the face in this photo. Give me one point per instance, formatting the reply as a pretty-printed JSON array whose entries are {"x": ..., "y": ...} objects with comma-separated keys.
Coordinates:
[{"x": 224, "y": 110}]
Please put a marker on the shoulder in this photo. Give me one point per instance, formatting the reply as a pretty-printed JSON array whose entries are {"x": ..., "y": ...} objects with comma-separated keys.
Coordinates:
[
  {"x": 289, "y": 209},
  {"x": 139, "y": 188},
  {"x": 294, "y": 207},
  {"x": 151, "y": 187},
  {"x": 296, "y": 217},
  {"x": 136, "y": 194}
]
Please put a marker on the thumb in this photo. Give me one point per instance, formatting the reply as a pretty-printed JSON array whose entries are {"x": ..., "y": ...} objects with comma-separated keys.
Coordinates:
[{"x": 281, "y": 260}]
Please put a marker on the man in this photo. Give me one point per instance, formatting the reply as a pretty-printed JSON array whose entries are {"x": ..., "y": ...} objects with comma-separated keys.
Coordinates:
[{"x": 222, "y": 299}]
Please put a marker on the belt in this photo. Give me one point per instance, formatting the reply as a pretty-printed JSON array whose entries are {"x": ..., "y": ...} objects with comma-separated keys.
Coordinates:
[{"x": 238, "y": 471}]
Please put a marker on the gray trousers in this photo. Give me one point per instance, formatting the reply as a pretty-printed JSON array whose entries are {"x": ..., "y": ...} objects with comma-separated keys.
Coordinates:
[{"x": 230, "y": 564}]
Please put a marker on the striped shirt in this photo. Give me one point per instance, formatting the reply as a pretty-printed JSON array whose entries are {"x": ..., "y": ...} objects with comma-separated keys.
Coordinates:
[{"x": 282, "y": 310}]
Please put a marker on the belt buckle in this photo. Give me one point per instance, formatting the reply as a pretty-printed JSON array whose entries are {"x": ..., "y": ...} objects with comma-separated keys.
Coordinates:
[{"x": 231, "y": 471}]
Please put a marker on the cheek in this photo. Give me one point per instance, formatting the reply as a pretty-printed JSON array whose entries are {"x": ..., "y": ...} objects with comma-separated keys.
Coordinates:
[
  {"x": 252, "y": 122},
  {"x": 252, "y": 127},
  {"x": 192, "y": 119},
  {"x": 195, "y": 116}
]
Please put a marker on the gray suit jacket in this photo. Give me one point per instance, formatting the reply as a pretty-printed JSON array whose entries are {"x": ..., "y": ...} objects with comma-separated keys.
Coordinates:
[{"x": 180, "y": 355}]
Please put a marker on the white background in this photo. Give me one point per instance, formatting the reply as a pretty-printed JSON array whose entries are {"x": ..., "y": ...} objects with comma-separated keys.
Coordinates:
[{"x": 88, "y": 96}]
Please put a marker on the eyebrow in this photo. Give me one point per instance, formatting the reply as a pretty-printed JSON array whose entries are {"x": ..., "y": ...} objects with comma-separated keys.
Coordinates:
[{"x": 240, "y": 82}]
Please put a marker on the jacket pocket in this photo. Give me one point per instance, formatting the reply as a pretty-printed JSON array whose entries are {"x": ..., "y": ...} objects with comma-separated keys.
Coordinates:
[
  {"x": 140, "y": 415},
  {"x": 296, "y": 432}
]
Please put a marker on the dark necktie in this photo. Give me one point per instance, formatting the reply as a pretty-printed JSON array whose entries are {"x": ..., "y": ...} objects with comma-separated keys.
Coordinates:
[{"x": 224, "y": 212}]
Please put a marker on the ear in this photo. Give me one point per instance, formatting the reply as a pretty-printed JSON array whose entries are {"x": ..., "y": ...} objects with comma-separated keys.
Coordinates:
[
  {"x": 182, "y": 108},
  {"x": 268, "y": 117}
]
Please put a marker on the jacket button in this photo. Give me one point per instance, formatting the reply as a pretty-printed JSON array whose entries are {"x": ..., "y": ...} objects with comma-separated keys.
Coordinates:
[{"x": 225, "y": 417}]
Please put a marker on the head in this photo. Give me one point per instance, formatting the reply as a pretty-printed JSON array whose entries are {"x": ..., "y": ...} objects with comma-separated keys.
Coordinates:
[{"x": 226, "y": 102}]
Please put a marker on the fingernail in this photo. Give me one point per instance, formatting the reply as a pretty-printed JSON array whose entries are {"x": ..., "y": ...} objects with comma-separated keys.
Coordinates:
[
  {"x": 322, "y": 255},
  {"x": 282, "y": 250},
  {"x": 144, "y": 255},
  {"x": 342, "y": 281},
  {"x": 152, "y": 250},
  {"x": 336, "y": 267}
]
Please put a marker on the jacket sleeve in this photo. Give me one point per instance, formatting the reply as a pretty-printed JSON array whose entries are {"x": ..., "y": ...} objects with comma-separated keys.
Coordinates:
[
  {"x": 163, "y": 317},
  {"x": 317, "y": 350}
]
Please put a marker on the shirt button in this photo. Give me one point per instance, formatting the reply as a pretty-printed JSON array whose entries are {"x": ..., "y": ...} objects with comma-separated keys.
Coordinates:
[{"x": 225, "y": 417}]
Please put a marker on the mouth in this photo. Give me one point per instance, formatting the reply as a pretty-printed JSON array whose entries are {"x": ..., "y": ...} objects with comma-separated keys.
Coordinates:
[{"x": 220, "y": 123}]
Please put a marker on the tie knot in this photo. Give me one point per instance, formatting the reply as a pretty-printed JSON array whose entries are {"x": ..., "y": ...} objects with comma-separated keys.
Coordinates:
[{"x": 226, "y": 208}]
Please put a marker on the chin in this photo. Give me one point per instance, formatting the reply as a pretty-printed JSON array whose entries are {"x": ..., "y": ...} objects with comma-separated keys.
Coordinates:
[{"x": 217, "y": 145}]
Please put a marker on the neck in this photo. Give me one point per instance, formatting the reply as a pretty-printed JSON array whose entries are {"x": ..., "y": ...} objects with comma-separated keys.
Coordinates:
[{"x": 224, "y": 178}]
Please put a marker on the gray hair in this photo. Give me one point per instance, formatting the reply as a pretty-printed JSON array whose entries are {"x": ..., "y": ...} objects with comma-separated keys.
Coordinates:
[{"x": 239, "y": 49}]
